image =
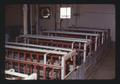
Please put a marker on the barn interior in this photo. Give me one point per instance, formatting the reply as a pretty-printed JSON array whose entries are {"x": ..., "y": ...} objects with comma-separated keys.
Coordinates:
[{"x": 59, "y": 41}]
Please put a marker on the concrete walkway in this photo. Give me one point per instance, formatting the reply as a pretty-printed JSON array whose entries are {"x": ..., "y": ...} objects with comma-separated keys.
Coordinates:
[{"x": 107, "y": 68}]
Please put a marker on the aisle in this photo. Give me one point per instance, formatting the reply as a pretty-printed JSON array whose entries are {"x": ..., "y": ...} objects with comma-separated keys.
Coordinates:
[{"x": 107, "y": 68}]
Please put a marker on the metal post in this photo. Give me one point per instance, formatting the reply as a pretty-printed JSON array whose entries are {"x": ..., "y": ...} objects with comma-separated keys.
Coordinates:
[
  {"x": 25, "y": 9},
  {"x": 62, "y": 68},
  {"x": 45, "y": 58},
  {"x": 31, "y": 57},
  {"x": 31, "y": 17},
  {"x": 102, "y": 37},
  {"x": 90, "y": 46},
  {"x": 84, "y": 55},
  {"x": 37, "y": 19},
  {"x": 44, "y": 67},
  {"x": 55, "y": 17},
  {"x": 96, "y": 41},
  {"x": 79, "y": 46},
  {"x": 72, "y": 45},
  {"x": 18, "y": 67}
]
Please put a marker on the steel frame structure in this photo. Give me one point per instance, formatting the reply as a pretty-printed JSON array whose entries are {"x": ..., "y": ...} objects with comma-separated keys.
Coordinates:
[
  {"x": 104, "y": 33},
  {"x": 94, "y": 37},
  {"x": 83, "y": 45},
  {"x": 72, "y": 40},
  {"x": 47, "y": 54},
  {"x": 38, "y": 53}
]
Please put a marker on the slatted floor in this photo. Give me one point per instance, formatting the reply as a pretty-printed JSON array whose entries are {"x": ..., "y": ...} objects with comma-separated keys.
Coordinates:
[{"x": 106, "y": 69}]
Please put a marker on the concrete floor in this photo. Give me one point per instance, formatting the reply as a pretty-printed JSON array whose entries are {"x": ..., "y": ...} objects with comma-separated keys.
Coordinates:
[{"x": 106, "y": 69}]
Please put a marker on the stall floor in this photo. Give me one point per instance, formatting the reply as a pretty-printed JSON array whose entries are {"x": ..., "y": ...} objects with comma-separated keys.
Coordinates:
[{"x": 106, "y": 69}]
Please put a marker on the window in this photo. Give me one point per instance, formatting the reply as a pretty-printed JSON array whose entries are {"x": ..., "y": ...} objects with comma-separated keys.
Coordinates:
[{"x": 65, "y": 12}]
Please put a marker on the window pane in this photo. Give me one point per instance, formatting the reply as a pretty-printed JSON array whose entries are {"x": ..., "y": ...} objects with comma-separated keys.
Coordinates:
[
  {"x": 65, "y": 12},
  {"x": 68, "y": 12}
]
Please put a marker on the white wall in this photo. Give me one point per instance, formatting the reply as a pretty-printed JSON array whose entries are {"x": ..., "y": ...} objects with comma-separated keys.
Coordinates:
[
  {"x": 100, "y": 15},
  {"x": 88, "y": 15},
  {"x": 92, "y": 15}
]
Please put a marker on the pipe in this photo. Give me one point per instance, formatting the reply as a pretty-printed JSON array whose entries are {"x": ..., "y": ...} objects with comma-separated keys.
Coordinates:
[
  {"x": 55, "y": 38},
  {"x": 41, "y": 46},
  {"x": 35, "y": 50},
  {"x": 25, "y": 9}
]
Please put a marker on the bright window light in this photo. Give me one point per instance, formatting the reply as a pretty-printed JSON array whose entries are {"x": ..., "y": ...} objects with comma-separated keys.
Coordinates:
[{"x": 65, "y": 12}]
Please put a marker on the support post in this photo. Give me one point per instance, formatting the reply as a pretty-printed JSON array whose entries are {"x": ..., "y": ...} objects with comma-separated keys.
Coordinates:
[
  {"x": 45, "y": 58},
  {"x": 84, "y": 55},
  {"x": 44, "y": 67},
  {"x": 37, "y": 19},
  {"x": 25, "y": 9},
  {"x": 31, "y": 18},
  {"x": 72, "y": 45},
  {"x": 62, "y": 68},
  {"x": 96, "y": 41},
  {"x": 102, "y": 37}
]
